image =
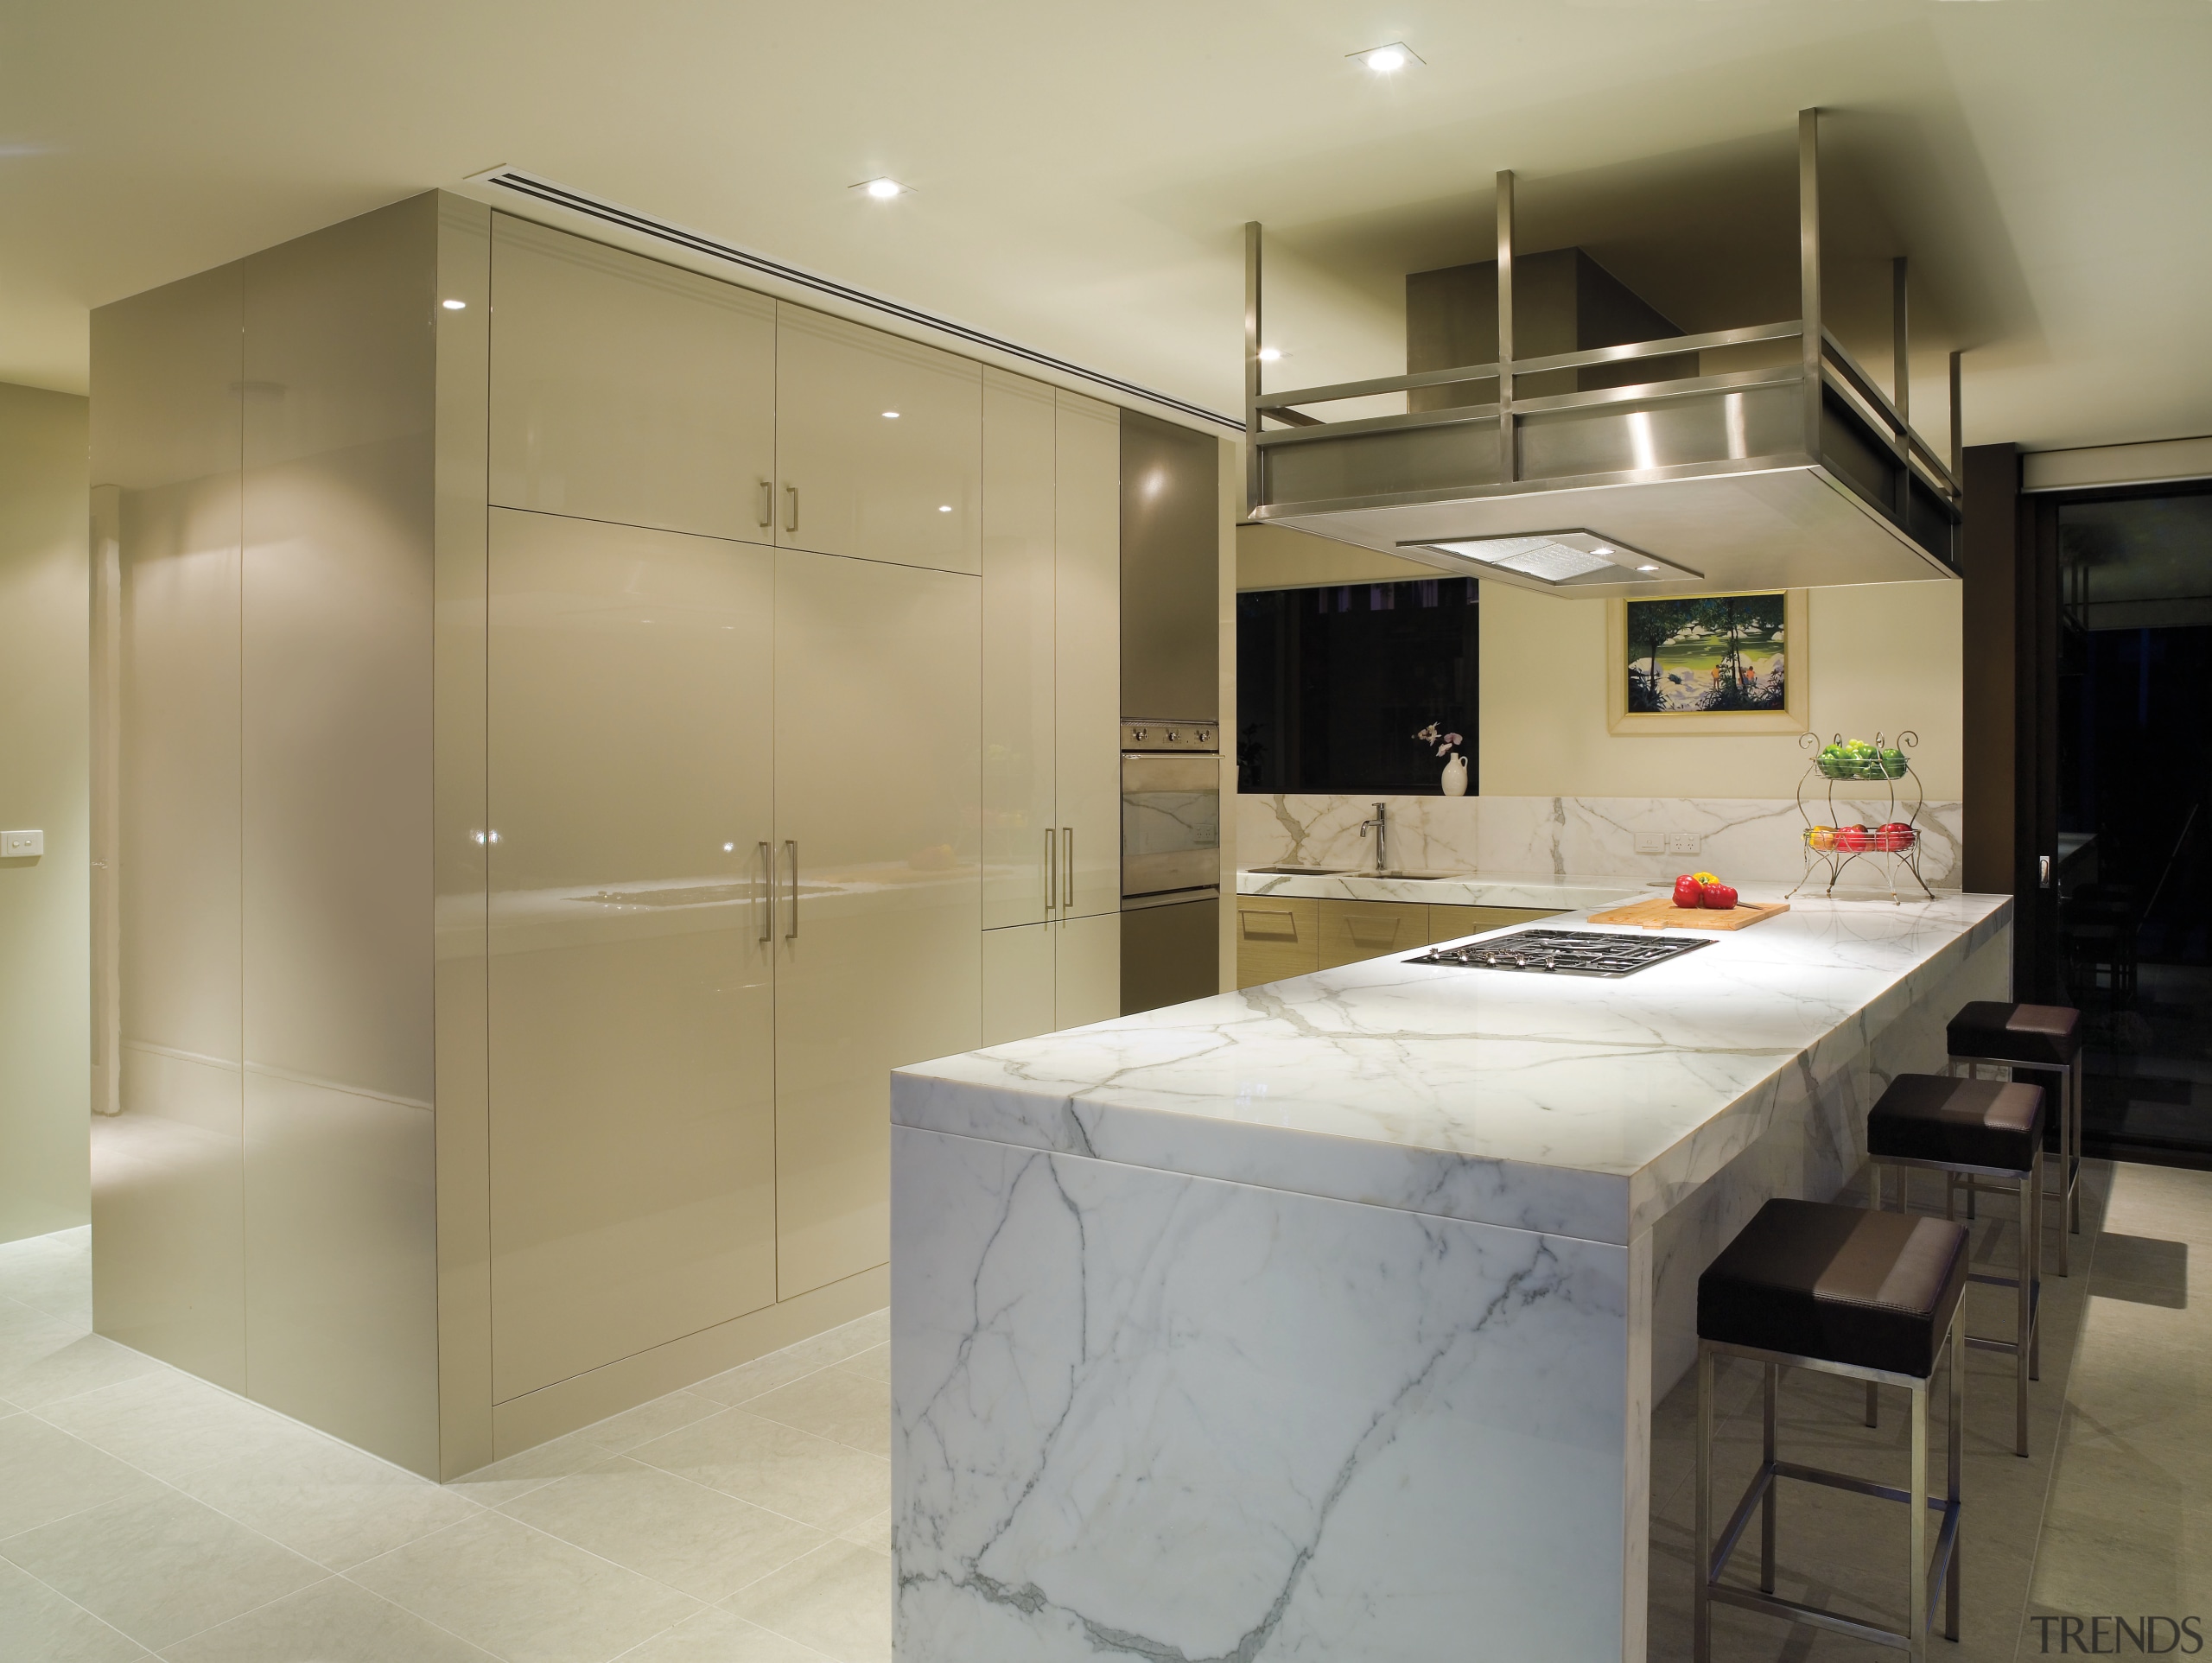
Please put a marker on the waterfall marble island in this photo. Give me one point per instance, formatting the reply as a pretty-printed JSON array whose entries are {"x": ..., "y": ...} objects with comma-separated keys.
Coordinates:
[{"x": 1324, "y": 1320}]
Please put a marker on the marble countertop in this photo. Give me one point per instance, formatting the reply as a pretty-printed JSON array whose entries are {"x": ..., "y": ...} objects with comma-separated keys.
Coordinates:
[
  {"x": 1586, "y": 1106},
  {"x": 1523, "y": 889}
]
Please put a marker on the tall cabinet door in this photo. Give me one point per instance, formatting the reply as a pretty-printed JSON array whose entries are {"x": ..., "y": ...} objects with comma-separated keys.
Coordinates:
[
  {"x": 1087, "y": 644},
  {"x": 879, "y": 888},
  {"x": 1018, "y": 531},
  {"x": 623, "y": 389},
  {"x": 879, "y": 441},
  {"x": 632, "y": 1088}
]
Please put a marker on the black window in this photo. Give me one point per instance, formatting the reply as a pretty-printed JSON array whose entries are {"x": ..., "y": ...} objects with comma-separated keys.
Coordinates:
[{"x": 1334, "y": 683}]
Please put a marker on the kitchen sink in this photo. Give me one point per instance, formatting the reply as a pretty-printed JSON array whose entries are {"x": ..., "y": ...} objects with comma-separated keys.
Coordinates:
[{"x": 1298, "y": 872}]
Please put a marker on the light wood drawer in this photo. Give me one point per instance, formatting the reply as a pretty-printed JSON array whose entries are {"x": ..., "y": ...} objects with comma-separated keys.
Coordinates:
[
  {"x": 1276, "y": 937},
  {"x": 1352, "y": 930},
  {"x": 1452, "y": 923}
]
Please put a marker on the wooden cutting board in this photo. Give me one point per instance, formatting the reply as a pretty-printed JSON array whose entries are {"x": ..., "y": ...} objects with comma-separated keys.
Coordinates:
[{"x": 1663, "y": 914}]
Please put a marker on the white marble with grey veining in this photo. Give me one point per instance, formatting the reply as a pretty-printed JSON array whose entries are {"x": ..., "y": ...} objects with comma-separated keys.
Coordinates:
[
  {"x": 1562, "y": 894},
  {"x": 1581, "y": 1106},
  {"x": 1143, "y": 1415},
  {"x": 1746, "y": 839}
]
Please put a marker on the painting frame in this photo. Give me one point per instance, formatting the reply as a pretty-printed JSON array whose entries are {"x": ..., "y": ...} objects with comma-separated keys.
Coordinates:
[{"x": 1794, "y": 716}]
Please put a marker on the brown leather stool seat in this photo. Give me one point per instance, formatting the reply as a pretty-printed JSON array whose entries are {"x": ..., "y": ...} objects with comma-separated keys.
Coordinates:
[
  {"x": 1946, "y": 1122},
  {"x": 1870, "y": 1296},
  {"x": 2044, "y": 1038},
  {"x": 2048, "y": 1034},
  {"x": 1819, "y": 1279},
  {"x": 1974, "y": 1130}
]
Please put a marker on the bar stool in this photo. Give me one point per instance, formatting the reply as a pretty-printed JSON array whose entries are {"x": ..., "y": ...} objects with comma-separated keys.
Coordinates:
[
  {"x": 1839, "y": 1290},
  {"x": 1973, "y": 1129},
  {"x": 2046, "y": 1038}
]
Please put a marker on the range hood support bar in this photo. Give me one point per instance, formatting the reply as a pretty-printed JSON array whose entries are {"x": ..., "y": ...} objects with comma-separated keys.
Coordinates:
[
  {"x": 1901, "y": 373},
  {"x": 1958, "y": 432},
  {"x": 1252, "y": 365},
  {"x": 1808, "y": 267},
  {"x": 1509, "y": 447}
]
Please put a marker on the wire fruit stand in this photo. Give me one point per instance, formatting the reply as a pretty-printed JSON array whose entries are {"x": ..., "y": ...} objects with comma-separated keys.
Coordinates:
[{"x": 1832, "y": 846}]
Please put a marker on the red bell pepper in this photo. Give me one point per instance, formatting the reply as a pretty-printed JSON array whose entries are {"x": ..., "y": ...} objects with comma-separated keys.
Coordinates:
[
  {"x": 1719, "y": 897},
  {"x": 1688, "y": 892}
]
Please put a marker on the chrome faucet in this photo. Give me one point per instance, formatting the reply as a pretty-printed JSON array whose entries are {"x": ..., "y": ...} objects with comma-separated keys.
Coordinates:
[{"x": 1382, "y": 825}]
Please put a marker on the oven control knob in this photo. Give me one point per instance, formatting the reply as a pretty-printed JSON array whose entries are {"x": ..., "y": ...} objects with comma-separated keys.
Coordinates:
[
  {"x": 1137, "y": 734},
  {"x": 1201, "y": 736},
  {"x": 1172, "y": 736}
]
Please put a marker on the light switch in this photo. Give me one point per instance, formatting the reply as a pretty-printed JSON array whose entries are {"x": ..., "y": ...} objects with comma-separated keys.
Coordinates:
[
  {"x": 1682, "y": 842},
  {"x": 21, "y": 844},
  {"x": 1651, "y": 842}
]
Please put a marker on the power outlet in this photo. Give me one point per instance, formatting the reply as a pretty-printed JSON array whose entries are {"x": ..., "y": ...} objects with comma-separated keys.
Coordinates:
[
  {"x": 1682, "y": 842},
  {"x": 1651, "y": 842},
  {"x": 21, "y": 844}
]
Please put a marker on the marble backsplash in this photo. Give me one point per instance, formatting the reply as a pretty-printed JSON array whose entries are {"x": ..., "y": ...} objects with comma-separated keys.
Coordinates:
[{"x": 1748, "y": 839}]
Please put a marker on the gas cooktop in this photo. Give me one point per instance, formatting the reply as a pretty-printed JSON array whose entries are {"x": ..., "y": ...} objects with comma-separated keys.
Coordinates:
[{"x": 1564, "y": 952}]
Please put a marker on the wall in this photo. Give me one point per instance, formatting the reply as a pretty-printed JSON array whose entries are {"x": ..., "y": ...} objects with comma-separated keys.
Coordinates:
[
  {"x": 1885, "y": 656},
  {"x": 45, "y": 972}
]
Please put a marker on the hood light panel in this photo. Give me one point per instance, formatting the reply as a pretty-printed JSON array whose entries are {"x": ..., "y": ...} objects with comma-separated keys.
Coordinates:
[{"x": 1558, "y": 559}]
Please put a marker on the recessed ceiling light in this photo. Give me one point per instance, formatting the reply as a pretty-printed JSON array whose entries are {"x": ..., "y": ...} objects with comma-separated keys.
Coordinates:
[
  {"x": 1388, "y": 59},
  {"x": 881, "y": 189},
  {"x": 1269, "y": 354},
  {"x": 456, "y": 306},
  {"x": 1647, "y": 569},
  {"x": 945, "y": 508},
  {"x": 891, "y": 416},
  {"x": 1601, "y": 550}
]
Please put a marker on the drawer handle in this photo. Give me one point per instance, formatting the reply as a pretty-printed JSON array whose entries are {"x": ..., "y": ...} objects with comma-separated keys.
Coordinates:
[
  {"x": 791, "y": 507},
  {"x": 1374, "y": 932},
  {"x": 1259, "y": 924},
  {"x": 768, "y": 502}
]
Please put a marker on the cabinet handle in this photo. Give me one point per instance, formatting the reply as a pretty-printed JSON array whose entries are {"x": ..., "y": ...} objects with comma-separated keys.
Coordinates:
[
  {"x": 791, "y": 507},
  {"x": 768, "y": 892},
  {"x": 768, "y": 502},
  {"x": 1051, "y": 869},
  {"x": 791, "y": 848},
  {"x": 1067, "y": 867}
]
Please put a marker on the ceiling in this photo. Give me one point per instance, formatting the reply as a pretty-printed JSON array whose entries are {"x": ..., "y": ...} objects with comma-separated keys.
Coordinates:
[{"x": 1080, "y": 174}]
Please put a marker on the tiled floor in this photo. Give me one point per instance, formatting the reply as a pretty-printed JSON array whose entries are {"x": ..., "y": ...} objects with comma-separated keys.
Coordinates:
[
  {"x": 143, "y": 1512},
  {"x": 746, "y": 1519}
]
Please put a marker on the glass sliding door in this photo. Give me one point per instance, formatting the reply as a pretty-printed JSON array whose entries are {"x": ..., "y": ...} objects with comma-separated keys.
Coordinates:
[{"x": 2134, "y": 946}]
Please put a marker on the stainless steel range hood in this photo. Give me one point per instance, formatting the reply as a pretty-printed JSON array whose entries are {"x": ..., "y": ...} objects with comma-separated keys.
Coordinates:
[{"x": 1803, "y": 473}]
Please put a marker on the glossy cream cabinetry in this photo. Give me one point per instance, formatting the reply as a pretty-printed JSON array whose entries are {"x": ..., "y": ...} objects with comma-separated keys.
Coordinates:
[
  {"x": 625, "y": 389},
  {"x": 1051, "y": 722},
  {"x": 1020, "y": 813},
  {"x": 530, "y": 864},
  {"x": 1039, "y": 978},
  {"x": 879, "y": 891},
  {"x": 879, "y": 444},
  {"x": 1087, "y": 653},
  {"x": 633, "y": 1124}
]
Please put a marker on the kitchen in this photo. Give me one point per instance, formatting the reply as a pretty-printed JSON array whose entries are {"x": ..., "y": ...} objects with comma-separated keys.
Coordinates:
[
  {"x": 812, "y": 933},
  {"x": 1440, "y": 1205}
]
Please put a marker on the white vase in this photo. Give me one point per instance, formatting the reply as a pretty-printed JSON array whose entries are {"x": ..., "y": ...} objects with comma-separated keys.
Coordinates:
[{"x": 1455, "y": 776}]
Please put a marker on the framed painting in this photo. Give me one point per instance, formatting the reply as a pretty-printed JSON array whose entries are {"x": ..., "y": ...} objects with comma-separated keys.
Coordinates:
[{"x": 1708, "y": 664}]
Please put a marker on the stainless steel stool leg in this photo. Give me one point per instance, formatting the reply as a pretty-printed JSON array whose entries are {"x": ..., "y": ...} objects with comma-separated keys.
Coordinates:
[
  {"x": 1766, "y": 1501},
  {"x": 1874, "y": 1187},
  {"x": 1701, "y": 1601},
  {"x": 2034, "y": 1260},
  {"x": 1957, "y": 1364},
  {"x": 1917, "y": 1587},
  {"x": 2073, "y": 1161},
  {"x": 2030, "y": 1251}
]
